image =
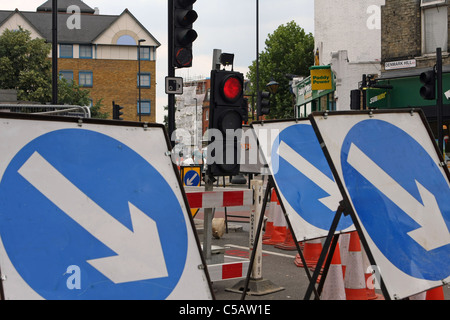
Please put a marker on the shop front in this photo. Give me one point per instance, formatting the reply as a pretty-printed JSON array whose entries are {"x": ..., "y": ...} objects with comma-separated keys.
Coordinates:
[{"x": 316, "y": 92}]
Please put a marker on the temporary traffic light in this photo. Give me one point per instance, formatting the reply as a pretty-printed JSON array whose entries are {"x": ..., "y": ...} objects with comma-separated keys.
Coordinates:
[
  {"x": 228, "y": 109},
  {"x": 183, "y": 34},
  {"x": 117, "y": 113},
  {"x": 428, "y": 90},
  {"x": 264, "y": 102}
]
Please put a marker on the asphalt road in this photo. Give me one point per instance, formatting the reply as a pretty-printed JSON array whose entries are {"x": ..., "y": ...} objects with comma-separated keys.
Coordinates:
[{"x": 283, "y": 280}]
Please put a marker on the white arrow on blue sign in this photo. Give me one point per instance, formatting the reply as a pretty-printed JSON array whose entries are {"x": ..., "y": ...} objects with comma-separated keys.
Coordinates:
[
  {"x": 303, "y": 178},
  {"x": 78, "y": 197},
  {"x": 392, "y": 175}
]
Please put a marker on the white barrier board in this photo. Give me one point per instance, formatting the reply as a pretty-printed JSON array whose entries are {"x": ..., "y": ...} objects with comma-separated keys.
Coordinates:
[
  {"x": 94, "y": 210},
  {"x": 390, "y": 173}
]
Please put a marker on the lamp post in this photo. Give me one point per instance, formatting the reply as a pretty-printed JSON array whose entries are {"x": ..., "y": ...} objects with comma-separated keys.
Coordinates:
[
  {"x": 195, "y": 128},
  {"x": 139, "y": 76},
  {"x": 272, "y": 86}
]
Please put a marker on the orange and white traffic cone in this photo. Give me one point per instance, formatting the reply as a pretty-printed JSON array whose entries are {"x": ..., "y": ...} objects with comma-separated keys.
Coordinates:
[
  {"x": 311, "y": 252},
  {"x": 289, "y": 243},
  {"x": 355, "y": 284},
  {"x": 279, "y": 225},
  {"x": 269, "y": 223},
  {"x": 334, "y": 288},
  {"x": 343, "y": 243},
  {"x": 435, "y": 294},
  {"x": 369, "y": 278}
]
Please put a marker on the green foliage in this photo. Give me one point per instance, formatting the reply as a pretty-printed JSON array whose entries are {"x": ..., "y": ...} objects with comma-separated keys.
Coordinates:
[
  {"x": 289, "y": 50},
  {"x": 25, "y": 66}
]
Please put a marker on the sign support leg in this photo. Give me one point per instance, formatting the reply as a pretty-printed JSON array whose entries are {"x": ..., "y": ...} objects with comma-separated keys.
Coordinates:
[
  {"x": 324, "y": 252},
  {"x": 299, "y": 250},
  {"x": 260, "y": 286}
]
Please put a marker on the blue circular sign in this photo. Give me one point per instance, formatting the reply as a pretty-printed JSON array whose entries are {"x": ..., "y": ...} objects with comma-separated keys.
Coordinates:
[
  {"x": 192, "y": 178},
  {"x": 402, "y": 158},
  {"x": 300, "y": 189},
  {"x": 42, "y": 241}
]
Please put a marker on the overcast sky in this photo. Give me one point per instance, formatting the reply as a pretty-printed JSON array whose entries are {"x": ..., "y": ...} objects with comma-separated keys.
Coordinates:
[{"x": 229, "y": 25}]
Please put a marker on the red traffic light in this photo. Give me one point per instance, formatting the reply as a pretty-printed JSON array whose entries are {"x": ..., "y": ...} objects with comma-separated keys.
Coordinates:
[{"x": 232, "y": 88}]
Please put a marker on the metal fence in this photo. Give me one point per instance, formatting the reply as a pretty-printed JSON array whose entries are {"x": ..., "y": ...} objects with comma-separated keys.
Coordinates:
[{"x": 59, "y": 110}]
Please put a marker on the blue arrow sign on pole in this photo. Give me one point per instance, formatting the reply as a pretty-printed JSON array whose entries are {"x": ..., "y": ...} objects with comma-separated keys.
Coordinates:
[
  {"x": 76, "y": 197},
  {"x": 304, "y": 177},
  {"x": 401, "y": 197},
  {"x": 192, "y": 178}
]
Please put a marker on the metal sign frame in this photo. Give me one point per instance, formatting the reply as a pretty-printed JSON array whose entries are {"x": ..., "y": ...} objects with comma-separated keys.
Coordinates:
[{"x": 193, "y": 249}]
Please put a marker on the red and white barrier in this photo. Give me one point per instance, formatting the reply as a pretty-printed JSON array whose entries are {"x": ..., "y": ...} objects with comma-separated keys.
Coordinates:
[
  {"x": 221, "y": 197},
  {"x": 225, "y": 271}
]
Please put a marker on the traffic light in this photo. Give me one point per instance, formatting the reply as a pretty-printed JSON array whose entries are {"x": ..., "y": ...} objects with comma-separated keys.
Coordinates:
[
  {"x": 428, "y": 90},
  {"x": 264, "y": 102},
  {"x": 117, "y": 113},
  {"x": 183, "y": 34},
  {"x": 228, "y": 109}
]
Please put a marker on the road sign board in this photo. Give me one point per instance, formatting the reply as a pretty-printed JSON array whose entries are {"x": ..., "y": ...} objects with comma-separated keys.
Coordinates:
[
  {"x": 174, "y": 85},
  {"x": 93, "y": 210},
  {"x": 303, "y": 178},
  {"x": 191, "y": 175},
  {"x": 391, "y": 174}
]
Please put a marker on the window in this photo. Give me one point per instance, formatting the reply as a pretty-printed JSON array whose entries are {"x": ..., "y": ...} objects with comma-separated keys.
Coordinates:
[
  {"x": 68, "y": 75},
  {"x": 145, "y": 80},
  {"x": 434, "y": 28},
  {"x": 145, "y": 53},
  {"x": 424, "y": 3},
  {"x": 145, "y": 107},
  {"x": 66, "y": 51},
  {"x": 86, "y": 79},
  {"x": 126, "y": 40},
  {"x": 85, "y": 51}
]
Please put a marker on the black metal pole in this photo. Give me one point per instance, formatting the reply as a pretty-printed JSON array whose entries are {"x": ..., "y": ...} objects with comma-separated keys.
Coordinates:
[
  {"x": 55, "y": 52},
  {"x": 258, "y": 102},
  {"x": 139, "y": 77},
  {"x": 171, "y": 73},
  {"x": 440, "y": 108}
]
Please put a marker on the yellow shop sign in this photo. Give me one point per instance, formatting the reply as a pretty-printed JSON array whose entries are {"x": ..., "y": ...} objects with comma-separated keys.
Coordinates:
[{"x": 321, "y": 78}]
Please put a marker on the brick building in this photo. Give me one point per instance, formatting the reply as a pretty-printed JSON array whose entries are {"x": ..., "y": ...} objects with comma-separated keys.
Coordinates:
[
  {"x": 98, "y": 52},
  {"x": 411, "y": 31}
]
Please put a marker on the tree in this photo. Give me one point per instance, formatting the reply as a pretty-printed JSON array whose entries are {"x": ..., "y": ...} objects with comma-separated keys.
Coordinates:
[
  {"x": 25, "y": 67},
  {"x": 289, "y": 51}
]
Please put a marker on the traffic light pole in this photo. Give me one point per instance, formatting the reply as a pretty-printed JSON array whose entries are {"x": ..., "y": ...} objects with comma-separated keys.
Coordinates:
[
  {"x": 171, "y": 73},
  {"x": 440, "y": 107}
]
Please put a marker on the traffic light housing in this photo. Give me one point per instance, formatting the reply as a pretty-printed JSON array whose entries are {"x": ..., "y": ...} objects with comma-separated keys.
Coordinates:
[
  {"x": 264, "y": 102},
  {"x": 117, "y": 113},
  {"x": 428, "y": 90},
  {"x": 183, "y": 35},
  {"x": 228, "y": 109}
]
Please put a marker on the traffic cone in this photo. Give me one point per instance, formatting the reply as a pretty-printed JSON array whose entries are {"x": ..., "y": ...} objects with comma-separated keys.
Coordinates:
[
  {"x": 369, "y": 278},
  {"x": 311, "y": 253},
  {"x": 279, "y": 224},
  {"x": 435, "y": 294},
  {"x": 355, "y": 284},
  {"x": 289, "y": 243},
  {"x": 343, "y": 243},
  {"x": 334, "y": 288},
  {"x": 269, "y": 223}
]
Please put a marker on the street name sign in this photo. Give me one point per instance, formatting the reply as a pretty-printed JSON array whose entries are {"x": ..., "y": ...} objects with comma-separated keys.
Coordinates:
[
  {"x": 93, "y": 209},
  {"x": 396, "y": 185},
  {"x": 302, "y": 176}
]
